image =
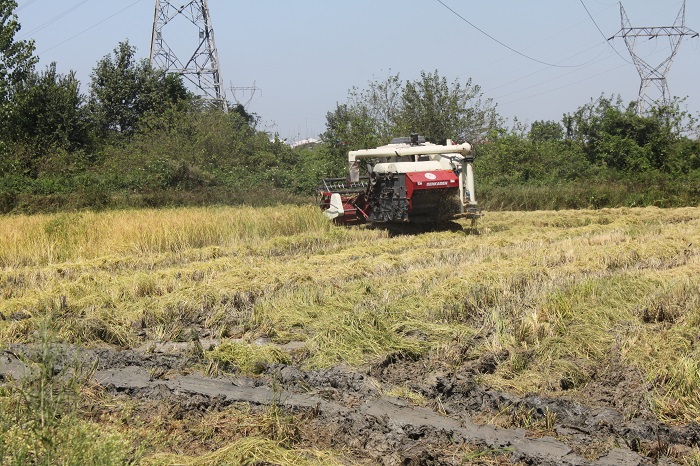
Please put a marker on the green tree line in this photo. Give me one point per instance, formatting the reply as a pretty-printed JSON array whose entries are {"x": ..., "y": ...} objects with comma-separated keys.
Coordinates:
[
  {"x": 137, "y": 137},
  {"x": 602, "y": 154}
]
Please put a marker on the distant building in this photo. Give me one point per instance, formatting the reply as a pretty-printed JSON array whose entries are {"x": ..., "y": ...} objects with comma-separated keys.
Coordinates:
[{"x": 305, "y": 143}]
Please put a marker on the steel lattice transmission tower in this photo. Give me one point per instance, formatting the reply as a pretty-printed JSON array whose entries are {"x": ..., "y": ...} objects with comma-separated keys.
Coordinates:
[
  {"x": 654, "y": 87},
  {"x": 201, "y": 63}
]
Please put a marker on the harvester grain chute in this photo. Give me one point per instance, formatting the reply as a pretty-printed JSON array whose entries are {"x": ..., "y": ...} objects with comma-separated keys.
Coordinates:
[{"x": 410, "y": 181}]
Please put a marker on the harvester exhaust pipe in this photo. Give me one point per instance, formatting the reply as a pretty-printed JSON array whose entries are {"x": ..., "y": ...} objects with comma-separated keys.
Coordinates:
[{"x": 470, "y": 183}]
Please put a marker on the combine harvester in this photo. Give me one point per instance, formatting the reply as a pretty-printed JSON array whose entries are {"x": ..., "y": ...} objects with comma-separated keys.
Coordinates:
[{"x": 410, "y": 181}]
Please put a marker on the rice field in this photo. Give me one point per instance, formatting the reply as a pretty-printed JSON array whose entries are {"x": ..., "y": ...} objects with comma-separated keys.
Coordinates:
[{"x": 559, "y": 297}]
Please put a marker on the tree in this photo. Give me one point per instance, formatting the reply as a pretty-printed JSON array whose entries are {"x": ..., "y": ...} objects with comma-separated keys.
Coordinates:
[
  {"x": 48, "y": 120},
  {"x": 123, "y": 90},
  {"x": 439, "y": 111},
  {"x": 49, "y": 112},
  {"x": 428, "y": 106},
  {"x": 615, "y": 136},
  {"x": 380, "y": 104},
  {"x": 351, "y": 127},
  {"x": 546, "y": 131},
  {"x": 250, "y": 118},
  {"x": 16, "y": 57}
]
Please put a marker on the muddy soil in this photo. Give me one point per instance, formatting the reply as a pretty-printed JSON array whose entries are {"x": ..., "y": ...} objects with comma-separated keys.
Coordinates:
[{"x": 348, "y": 409}]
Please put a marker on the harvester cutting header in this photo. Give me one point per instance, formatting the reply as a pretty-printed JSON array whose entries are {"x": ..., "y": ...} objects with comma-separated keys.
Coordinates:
[{"x": 410, "y": 180}]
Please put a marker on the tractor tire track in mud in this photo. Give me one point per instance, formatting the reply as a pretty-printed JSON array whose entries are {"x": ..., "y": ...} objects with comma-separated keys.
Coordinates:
[
  {"x": 387, "y": 428},
  {"x": 349, "y": 411}
]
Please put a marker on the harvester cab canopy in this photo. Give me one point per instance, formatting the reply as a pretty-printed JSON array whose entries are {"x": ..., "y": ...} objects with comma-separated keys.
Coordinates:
[{"x": 410, "y": 154}]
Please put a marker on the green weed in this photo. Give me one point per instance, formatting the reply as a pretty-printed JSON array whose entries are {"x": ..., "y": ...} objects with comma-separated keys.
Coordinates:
[
  {"x": 246, "y": 358},
  {"x": 39, "y": 415}
]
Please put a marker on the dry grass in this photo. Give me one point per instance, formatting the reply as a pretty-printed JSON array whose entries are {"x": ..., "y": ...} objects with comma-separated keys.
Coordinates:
[
  {"x": 45, "y": 239},
  {"x": 559, "y": 293},
  {"x": 248, "y": 451},
  {"x": 236, "y": 434}
]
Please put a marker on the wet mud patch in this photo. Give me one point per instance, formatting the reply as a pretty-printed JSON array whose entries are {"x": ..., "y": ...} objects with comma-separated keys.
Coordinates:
[
  {"x": 346, "y": 409},
  {"x": 349, "y": 410},
  {"x": 615, "y": 413}
]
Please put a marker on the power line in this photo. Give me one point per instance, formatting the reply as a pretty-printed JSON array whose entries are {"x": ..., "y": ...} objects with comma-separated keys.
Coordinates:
[
  {"x": 22, "y": 7},
  {"x": 91, "y": 27},
  {"x": 51, "y": 21},
  {"x": 503, "y": 44},
  {"x": 594, "y": 60},
  {"x": 560, "y": 87},
  {"x": 601, "y": 32},
  {"x": 544, "y": 82},
  {"x": 564, "y": 86}
]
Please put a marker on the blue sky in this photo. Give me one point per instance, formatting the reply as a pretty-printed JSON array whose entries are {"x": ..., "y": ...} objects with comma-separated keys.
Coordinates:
[{"x": 305, "y": 55}]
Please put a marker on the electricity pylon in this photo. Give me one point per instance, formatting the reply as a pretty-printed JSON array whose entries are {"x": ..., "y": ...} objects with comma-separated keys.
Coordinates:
[
  {"x": 653, "y": 90},
  {"x": 201, "y": 66}
]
